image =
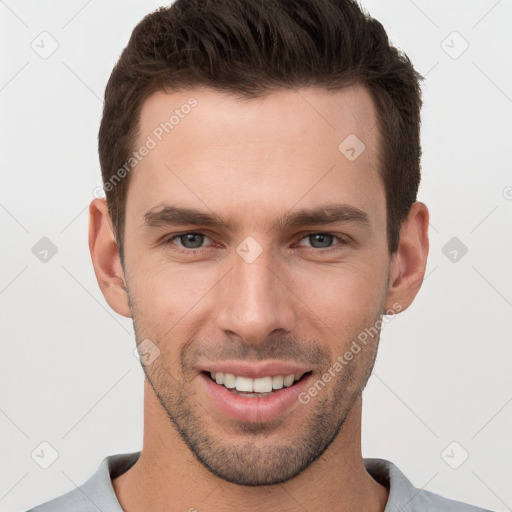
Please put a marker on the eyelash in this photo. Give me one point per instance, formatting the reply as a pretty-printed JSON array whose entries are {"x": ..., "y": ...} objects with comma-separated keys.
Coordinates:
[{"x": 168, "y": 241}]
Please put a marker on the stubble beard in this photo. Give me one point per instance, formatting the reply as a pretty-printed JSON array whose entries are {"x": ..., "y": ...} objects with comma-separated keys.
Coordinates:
[{"x": 254, "y": 462}]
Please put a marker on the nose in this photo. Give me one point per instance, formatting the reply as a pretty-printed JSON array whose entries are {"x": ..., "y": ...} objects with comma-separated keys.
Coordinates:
[{"x": 255, "y": 302}]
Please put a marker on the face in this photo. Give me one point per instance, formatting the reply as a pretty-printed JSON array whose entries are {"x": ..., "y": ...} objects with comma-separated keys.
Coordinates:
[{"x": 255, "y": 255}]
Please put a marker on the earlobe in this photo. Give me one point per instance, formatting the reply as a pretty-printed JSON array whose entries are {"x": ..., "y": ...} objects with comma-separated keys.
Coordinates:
[
  {"x": 409, "y": 262},
  {"x": 105, "y": 258}
]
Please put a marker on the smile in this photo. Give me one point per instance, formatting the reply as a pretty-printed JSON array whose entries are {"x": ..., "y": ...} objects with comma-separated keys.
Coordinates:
[
  {"x": 261, "y": 386},
  {"x": 253, "y": 399}
]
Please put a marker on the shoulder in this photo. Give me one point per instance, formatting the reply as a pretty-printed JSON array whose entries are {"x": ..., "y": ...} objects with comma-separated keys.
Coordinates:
[
  {"x": 404, "y": 497},
  {"x": 95, "y": 494}
]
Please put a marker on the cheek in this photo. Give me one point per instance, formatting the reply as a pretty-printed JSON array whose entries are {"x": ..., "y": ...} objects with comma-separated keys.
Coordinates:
[
  {"x": 344, "y": 297},
  {"x": 167, "y": 298}
]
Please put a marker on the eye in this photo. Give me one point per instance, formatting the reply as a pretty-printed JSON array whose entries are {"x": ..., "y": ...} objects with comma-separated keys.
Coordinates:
[
  {"x": 321, "y": 240},
  {"x": 189, "y": 240}
]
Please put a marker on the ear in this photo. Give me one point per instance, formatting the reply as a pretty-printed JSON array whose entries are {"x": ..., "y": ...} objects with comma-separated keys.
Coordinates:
[
  {"x": 409, "y": 262},
  {"x": 105, "y": 258}
]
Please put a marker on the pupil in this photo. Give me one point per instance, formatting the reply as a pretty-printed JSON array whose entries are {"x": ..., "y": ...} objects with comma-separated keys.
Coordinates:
[
  {"x": 192, "y": 240},
  {"x": 323, "y": 239}
]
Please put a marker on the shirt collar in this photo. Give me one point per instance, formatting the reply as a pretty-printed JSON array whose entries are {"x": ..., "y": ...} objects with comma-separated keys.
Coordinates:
[{"x": 401, "y": 491}]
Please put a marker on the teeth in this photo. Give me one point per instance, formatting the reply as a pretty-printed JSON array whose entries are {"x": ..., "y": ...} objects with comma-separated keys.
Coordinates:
[
  {"x": 259, "y": 385},
  {"x": 244, "y": 384},
  {"x": 277, "y": 382},
  {"x": 262, "y": 385},
  {"x": 288, "y": 380},
  {"x": 229, "y": 380}
]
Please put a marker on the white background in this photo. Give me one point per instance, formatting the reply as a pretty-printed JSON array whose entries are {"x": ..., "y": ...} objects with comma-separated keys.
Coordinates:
[{"x": 67, "y": 372}]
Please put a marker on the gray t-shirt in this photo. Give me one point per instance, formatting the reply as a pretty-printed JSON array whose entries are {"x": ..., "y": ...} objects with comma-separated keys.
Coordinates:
[{"x": 98, "y": 493}]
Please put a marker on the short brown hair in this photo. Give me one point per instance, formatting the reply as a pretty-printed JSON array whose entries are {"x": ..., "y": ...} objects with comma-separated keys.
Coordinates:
[{"x": 250, "y": 48}]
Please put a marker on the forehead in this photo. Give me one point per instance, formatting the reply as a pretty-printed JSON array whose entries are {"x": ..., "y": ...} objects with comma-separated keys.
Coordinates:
[{"x": 226, "y": 154}]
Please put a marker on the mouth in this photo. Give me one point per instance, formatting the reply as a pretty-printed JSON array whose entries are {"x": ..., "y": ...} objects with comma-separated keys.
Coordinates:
[
  {"x": 253, "y": 399},
  {"x": 259, "y": 387}
]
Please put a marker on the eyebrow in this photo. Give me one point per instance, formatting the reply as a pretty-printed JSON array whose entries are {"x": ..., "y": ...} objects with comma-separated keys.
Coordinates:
[{"x": 169, "y": 215}]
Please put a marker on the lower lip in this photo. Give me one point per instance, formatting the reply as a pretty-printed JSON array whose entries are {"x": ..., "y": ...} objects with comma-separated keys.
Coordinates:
[{"x": 257, "y": 409}]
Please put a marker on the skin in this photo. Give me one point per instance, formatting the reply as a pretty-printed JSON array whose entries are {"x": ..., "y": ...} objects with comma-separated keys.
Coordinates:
[{"x": 301, "y": 300}]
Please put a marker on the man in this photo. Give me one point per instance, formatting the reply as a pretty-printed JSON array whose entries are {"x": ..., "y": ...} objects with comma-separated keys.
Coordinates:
[{"x": 260, "y": 160}]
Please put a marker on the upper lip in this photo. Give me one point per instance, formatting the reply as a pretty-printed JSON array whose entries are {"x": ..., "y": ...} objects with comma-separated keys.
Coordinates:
[{"x": 255, "y": 369}]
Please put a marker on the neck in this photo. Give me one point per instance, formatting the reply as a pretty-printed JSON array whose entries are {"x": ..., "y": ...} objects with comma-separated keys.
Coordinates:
[{"x": 168, "y": 477}]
